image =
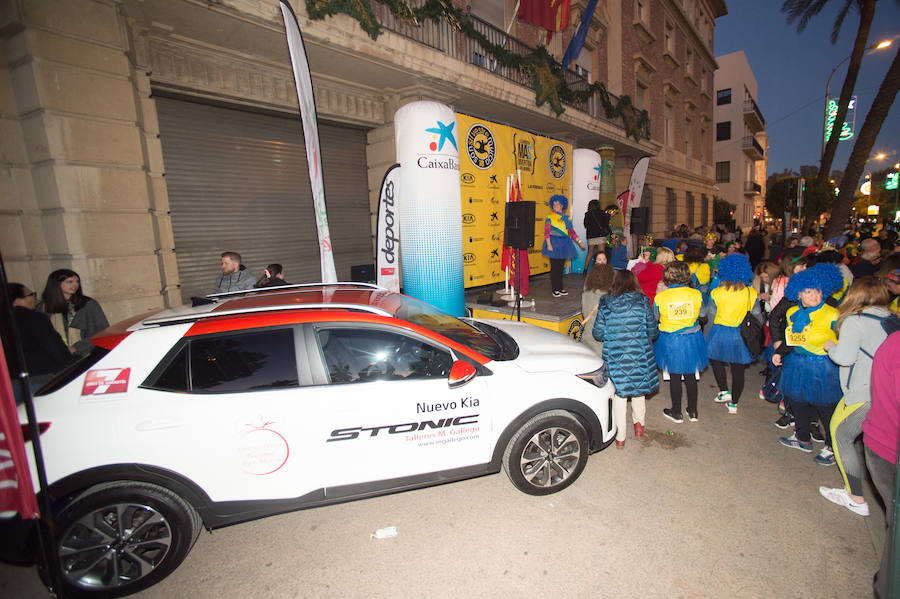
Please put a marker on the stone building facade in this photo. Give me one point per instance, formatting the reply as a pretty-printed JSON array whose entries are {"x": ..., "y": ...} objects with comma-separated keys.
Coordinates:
[{"x": 94, "y": 94}]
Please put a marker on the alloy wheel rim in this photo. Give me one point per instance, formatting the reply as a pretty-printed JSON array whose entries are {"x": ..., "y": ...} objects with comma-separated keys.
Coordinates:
[
  {"x": 114, "y": 545},
  {"x": 550, "y": 457}
]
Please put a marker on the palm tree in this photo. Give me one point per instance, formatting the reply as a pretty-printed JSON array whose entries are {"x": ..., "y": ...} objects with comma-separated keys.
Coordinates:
[
  {"x": 802, "y": 11},
  {"x": 878, "y": 112}
]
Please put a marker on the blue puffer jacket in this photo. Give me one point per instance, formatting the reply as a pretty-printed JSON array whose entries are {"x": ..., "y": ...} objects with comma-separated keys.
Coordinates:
[{"x": 626, "y": 326}]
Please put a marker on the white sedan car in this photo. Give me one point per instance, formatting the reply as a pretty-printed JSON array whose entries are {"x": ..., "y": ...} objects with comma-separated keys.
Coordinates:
[{"x": 269, "y": 401}]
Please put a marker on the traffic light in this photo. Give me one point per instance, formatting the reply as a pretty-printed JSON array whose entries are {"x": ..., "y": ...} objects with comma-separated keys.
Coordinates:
[{"x": 891, "y": 182}]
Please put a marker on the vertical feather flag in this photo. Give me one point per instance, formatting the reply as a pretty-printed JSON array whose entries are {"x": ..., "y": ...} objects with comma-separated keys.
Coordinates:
[
  {"x": 552, "y": 15},
  {"x": 16, "y": 490},
  {"x": 577, "y": 42},
  {"x": 311, "y": 136}
]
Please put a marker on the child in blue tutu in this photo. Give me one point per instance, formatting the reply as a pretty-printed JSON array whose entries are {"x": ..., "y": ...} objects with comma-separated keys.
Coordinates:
[
  {"x": 558, "y": 238},
  {"x": 680, "y": 349},
  {"x": 729, "y": 303},
  {"x": 810, "y": 379}
]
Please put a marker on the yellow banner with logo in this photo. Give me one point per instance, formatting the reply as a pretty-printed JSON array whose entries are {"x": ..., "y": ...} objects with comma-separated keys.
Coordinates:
[{"x": 489, "y": 153}]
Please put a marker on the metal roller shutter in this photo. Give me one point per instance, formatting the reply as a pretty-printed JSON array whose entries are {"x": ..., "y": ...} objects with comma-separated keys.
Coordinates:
[{"x": 238, "y": 181}]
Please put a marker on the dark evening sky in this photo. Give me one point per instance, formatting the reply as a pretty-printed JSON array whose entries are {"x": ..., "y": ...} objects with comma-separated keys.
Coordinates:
[{"x": 791, "y": 70}]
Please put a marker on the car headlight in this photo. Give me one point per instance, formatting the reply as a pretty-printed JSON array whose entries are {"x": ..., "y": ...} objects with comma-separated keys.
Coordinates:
[{"x": 598, "y": 377}]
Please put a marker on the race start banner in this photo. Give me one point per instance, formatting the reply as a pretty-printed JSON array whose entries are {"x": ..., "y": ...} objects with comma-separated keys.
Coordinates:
[{"x": 489, "y": 153}]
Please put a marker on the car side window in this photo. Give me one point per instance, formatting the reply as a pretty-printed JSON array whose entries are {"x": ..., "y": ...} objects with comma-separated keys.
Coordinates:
[
  {"x": 243, "y": 361},
  {"x": 360, "y": 355},
  {"x": 229, "y": 363}
]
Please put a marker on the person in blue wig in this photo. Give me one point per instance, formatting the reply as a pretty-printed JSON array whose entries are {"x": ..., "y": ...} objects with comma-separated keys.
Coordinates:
[
  {"x": 728, "y": 304},
  {"x": 558, "y": 242},
  {"x": 810, "y": 379}
]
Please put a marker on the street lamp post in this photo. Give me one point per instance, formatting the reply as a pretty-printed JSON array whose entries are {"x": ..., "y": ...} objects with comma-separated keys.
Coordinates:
[{"x": 878, "y": 46}]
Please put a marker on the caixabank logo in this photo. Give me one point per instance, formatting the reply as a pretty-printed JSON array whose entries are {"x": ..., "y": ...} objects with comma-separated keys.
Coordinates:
[
  {"x": 523, "y": 151},
  {"x": 480, "y": 146},
  {"x": 441, "y": 135},
  {"x": 556, "y": 159}
]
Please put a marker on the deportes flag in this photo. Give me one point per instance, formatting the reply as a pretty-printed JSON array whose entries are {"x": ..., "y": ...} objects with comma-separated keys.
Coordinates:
[{"x": 387, "y": 261}]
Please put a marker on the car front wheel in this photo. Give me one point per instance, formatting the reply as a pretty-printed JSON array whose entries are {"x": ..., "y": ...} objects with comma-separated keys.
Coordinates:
[
  {"x": 122, "y": 537},
  {"x": 547, "y": 453}
]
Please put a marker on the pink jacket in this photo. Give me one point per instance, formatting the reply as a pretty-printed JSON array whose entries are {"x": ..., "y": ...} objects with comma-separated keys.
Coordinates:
[{"x": 882, "y": 424}]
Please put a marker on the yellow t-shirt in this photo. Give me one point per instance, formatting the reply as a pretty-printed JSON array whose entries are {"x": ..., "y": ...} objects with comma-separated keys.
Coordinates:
[
  {"x": 817, "y": 332},
  {"x": 732, "y": 305},
  {"x": 679, "y": 307},
  {"x": 701, "y": 269}
]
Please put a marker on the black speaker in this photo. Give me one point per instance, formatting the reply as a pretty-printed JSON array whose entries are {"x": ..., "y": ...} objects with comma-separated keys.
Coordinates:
[
  {"x": 363, "y": 273},
  {"x": 519, "y": 225},
  {"x": 640, "y": 220}
]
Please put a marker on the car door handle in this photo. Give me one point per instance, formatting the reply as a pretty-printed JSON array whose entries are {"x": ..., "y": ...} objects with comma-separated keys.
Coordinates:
[{"x": 155, "y": 425}]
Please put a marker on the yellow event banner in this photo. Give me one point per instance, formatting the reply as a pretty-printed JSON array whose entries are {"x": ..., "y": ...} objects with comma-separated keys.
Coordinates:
[{"x": 489, "y": 153}]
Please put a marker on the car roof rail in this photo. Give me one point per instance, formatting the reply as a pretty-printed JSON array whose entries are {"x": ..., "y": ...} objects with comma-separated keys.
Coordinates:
[
  {"x": 296, "y": 286},
  {"x": 185, "y": 318}
]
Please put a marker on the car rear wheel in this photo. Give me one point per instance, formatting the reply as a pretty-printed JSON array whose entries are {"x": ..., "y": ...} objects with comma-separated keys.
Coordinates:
[
  {"x": 122, "y": 537},
  {"x": 547, "y": 453}
]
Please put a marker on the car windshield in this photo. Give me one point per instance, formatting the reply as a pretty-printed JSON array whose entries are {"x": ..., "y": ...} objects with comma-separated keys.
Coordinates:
[{"x": 426, "y": 315}]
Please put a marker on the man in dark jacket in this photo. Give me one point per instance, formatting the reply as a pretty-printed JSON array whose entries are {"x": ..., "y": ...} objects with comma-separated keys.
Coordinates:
[
  {"x": 869, "y": 258},
  {"x": 756, "y": 248},
  {"x": 235, "y": 276},
  {"x": 43, "y": 348}
]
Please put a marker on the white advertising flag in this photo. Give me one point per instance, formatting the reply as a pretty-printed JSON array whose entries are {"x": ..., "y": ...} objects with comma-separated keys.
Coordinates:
[{"x": 387, "y": 261}]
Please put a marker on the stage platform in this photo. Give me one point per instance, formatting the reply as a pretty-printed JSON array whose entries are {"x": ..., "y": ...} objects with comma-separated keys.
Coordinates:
[{"x": 554, "y": 313}]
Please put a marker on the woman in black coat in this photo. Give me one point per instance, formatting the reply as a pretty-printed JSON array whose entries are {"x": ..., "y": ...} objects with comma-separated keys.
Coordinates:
[{"x": 75, "y": 316}]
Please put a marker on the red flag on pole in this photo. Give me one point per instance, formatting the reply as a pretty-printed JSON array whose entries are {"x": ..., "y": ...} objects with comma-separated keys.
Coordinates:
[
  {"x": 16, "y": 490},
  {"x": 552, "y": 15},
  {"x": 523, "y": 268}
]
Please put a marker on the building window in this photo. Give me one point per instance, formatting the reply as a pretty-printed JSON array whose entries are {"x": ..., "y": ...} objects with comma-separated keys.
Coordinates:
[
  {"x": 640, "y": 96},
  {"x": 689, "y": 201},
  {"x": 704, "y": 206},
  {"x": 723, "y": 172},
  {"x": 689, "y": 62},
  {"x": 582, "y": 72},
  {"x": 723, "y": 96},
  {"x": 703, "y": 79},
  {"x": 723, "y": 131},
  {"x": 671, "y": 209},
  {"x": 670, "y": 39},
  {"x": 687, "y": 137},
  {"x": 640, "y": 11},
  {"x": 668, "y": 125},
  {"x": 702, "y": 142}
]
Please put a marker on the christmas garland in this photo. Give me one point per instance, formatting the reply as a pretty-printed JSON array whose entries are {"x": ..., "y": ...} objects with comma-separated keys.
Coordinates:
[{"x": 546, "y": 74}]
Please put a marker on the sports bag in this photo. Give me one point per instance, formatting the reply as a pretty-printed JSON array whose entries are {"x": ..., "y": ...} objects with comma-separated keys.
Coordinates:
[{"x": 769, "y": 389}]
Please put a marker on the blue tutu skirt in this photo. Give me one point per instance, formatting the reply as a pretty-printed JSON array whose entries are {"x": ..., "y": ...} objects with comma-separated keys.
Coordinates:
[
  {"x": 725, "y": 344},
  {"x": 563, "y": 248},
  {"x": 680, "y": 353},
  {"x": 811, "y": 379}
]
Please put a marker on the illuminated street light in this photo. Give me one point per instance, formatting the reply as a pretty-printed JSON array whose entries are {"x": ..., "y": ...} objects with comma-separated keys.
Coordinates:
[{"x": 879, "y": 46}]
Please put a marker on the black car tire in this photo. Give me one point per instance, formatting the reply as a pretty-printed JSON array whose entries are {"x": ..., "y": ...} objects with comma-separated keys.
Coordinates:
[
  {"x": 122, "y": 537},
  {"x": 547, "y": 454}
]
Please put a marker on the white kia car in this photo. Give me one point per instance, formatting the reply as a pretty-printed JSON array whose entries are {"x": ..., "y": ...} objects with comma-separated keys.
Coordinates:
[{"x": 274, "y": 400}]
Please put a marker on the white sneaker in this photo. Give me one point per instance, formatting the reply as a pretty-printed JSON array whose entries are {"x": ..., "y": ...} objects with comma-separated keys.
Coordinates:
[
  {"x": 722, "y": 397},
  {"x": 842, "y": 497}
]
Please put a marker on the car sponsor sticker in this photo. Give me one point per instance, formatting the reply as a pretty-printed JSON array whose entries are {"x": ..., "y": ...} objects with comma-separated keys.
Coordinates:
[
  {"x": 262, "y": 450},
  {"x": 104, "y": 382}
]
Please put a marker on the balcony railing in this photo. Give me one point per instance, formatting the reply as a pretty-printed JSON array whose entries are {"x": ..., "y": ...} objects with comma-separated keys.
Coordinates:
[
  {"x": 752, "y": 187},
  {"x": 753, "y": 115},
  {"x": 446, "y": 39},
  {"x": 752, "y": 148}
]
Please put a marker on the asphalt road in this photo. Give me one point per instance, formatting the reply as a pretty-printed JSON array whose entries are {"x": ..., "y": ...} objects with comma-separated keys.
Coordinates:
[{"x": 717, "y": 509}]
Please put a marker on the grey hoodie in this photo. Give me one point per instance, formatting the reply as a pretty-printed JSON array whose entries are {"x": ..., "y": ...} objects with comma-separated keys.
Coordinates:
[{"x": 242, "y": 280}]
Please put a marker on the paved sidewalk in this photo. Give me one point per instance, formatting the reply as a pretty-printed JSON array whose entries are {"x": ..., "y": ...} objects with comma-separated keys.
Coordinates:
[{"x": 717, "y": 508}]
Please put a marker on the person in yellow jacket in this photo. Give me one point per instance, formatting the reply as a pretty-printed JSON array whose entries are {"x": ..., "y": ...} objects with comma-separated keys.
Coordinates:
[
  {"x": 810, "y": 379},
  {"x": 680, "y": 349},
  {"x": 729, "y": 303}
]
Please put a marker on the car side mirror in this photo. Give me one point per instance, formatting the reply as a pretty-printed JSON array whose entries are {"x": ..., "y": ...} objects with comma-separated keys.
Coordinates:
[{"x": 460, "y": 373}]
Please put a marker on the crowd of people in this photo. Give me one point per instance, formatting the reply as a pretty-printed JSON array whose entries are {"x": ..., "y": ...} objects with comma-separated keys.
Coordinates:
[{"x": 827, "y": 324}]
